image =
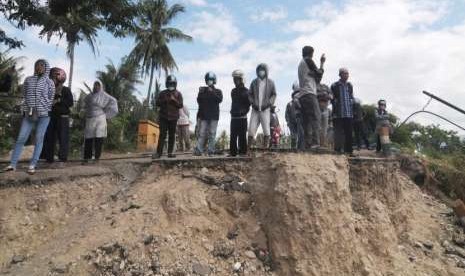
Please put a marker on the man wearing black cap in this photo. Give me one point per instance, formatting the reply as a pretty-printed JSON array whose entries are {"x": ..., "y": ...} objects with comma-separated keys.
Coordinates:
[{"x": 309, "y": 76}]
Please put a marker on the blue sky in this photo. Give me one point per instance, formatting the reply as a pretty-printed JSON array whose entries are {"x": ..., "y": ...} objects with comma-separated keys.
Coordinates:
[{"x": 394, "y": 49}]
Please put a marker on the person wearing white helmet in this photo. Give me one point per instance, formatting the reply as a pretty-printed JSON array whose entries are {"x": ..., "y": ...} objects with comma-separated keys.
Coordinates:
[
  {"x": 262, "y": 96},
  {"x": 294, "y": 120},
  {"x": 209, "y": 99},
  {"x": 240, "y": 106},
  {"x": 359, "y": 125}
]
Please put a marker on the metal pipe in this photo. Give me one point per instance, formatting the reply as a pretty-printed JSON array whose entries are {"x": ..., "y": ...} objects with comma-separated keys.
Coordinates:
[
  {"x": 434, "y": 114},
  {"x": 444, "y": 102}
]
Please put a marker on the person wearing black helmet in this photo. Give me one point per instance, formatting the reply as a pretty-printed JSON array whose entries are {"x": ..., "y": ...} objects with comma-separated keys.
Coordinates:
[
  {"x": 169, "y": 101},
  {"x": 209, "y": 99},
  {"x": 262, "y": 96}
]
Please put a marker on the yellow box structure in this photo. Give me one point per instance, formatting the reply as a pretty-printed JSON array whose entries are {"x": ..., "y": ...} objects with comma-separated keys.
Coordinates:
[{"x": 147, "y": 135}]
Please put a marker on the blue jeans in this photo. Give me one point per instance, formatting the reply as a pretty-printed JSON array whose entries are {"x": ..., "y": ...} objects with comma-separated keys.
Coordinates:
[
  {"x": 207, "y": 130},
  {"x": 26, "y": 127}
]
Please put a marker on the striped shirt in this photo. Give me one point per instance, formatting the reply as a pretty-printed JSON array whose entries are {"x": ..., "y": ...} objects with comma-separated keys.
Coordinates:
[{"x": 39, "y": 92}]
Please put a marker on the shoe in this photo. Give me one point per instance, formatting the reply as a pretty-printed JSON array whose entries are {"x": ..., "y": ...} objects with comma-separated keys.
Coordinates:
[
  {"x": 9, "y": 169},
  {"x": 314, "y": 147},
  {"x": 85, "y": 162},
  {"x": 156, "y": 156},
  {"x": 171, "y": 155},
  {"x": 31, "y": 170},
  {"x": 197, "y": 153}
]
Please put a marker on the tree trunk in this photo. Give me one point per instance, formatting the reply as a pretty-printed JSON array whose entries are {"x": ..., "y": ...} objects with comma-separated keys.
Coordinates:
[
  {"x": 71, "y": 65},
  {"x": 149, "y": 92}
]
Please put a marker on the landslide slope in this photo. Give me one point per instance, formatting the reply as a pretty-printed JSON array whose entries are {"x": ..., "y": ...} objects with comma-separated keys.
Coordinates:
[{"x": 280, "y": 214}]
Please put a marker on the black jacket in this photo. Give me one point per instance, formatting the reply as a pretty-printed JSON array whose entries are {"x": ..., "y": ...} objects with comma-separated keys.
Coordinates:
[
  {"x": 62, "y": 102},
  {"x": 209, "y": 100},
  {"x": 240, "y": 104},
  {"x": 169, "y": 103}
]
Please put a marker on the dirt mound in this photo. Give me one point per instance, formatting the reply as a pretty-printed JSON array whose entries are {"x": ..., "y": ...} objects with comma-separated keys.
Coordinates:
[{"x": 280, "y": 214}]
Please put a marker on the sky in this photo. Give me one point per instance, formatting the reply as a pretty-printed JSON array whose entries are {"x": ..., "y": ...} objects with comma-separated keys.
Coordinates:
[{"x": 394, "y": 49}]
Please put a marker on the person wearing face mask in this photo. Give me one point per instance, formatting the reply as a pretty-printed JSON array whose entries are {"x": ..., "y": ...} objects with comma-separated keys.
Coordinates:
[
  {"x": 262, "y": 95},
  {"x": 38, "y": 92},
  {"x": 168, "y": 102},
  {"x": 309, "y": 76},
  {"x": 99, "y": 106},
  {"x": 58, "y": 128},
  {"x": 240, "y": 107},
  {"x": 209, "y": 99}
]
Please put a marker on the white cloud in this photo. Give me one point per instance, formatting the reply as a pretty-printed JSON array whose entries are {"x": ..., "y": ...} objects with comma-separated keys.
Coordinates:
[
  {"x": 200, "y": 3},
  {"x": 216, "y": 28},
  {"x": 392, "y": 48},
  {"x": 394, "y": 52},
  {"x": 272, "y": 14}
]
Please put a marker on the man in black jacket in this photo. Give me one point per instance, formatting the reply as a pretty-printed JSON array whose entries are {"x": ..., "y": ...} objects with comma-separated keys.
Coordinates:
[
  {"x": 168, "y": 102},
  {"x": 209, "y": 99},
  {"x": 58, "y": 128},
  {"x": 240, "y": 106}
]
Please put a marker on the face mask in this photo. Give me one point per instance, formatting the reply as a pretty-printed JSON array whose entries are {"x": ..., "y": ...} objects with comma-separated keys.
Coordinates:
[
  {"x": 261, "y": 74},
  {"x": 171, "y": 88},
  {"x": 210, "y": 83}
]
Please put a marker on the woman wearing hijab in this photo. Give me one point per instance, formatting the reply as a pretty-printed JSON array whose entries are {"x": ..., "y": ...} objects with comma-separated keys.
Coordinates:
[
  {"x": 38, "y": 91},
  {"x": 99, "y": 106}
]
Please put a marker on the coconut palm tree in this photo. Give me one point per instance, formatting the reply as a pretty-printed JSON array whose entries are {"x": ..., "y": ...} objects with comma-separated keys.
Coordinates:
[
  {"x": 152, "y": 36},
  {"x": 120, "y": 82},
  {"x": 79, "y": 23}
]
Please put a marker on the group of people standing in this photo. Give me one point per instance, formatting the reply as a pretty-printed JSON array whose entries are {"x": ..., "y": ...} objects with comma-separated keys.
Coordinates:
[
  {"x": 47, "y": 104},
  {"x": 46, "y": 107},
  {"x": 309, "y": 117},
  {"x": 260, "y": 97},
  {"x": 308, "y": 114}
]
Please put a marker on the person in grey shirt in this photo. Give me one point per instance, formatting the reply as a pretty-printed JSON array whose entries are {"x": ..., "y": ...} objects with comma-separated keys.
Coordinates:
[{"x": 309, "y": 76}]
